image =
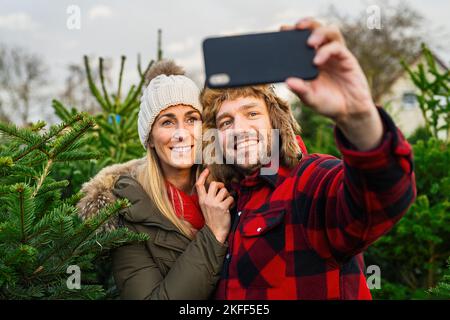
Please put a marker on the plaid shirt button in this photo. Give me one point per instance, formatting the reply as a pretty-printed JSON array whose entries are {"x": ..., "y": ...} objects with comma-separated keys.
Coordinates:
[
  {"x": 227, "y": 256},
  {"x": 239, "y": 213},
  {"x": 259, "y": 229}
]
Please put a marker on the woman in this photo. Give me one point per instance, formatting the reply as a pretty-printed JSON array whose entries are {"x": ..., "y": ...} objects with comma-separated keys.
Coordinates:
[{"x": 187, "y": 241}]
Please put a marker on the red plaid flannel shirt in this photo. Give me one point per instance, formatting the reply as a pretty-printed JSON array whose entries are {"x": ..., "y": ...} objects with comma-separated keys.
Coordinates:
[{"x": 300, "y": 234}]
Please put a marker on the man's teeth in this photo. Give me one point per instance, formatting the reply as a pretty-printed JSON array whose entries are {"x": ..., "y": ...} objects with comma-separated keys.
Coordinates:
[
  {"x": 246, "y": 144},
  {"x": 182, "y": 149}
]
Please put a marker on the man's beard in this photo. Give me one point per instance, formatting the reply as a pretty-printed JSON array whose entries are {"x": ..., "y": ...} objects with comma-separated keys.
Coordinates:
[{"x": 247, "y": 169}]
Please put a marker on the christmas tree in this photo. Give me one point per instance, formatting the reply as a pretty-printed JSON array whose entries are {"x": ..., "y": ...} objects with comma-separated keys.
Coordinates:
[
  {"x": 42, "y": 239},
  {"x": 115, "y": 135}
]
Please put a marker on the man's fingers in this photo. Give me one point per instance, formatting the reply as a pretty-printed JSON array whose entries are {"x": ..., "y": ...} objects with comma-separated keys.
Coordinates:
[
  {"x": 324, "y": 53},
  {"x": 324, "y": 35},
  {"x": 286, "y": 28},
  {"x": 301, "y": 88},
  {"x": 200, "y": 184},
  {"x": 305, "y": 23},
  {"x": 308, "y": 23}
]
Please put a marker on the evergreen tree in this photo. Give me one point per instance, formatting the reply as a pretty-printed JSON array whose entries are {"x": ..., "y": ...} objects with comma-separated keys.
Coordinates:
[
  {"x": 115, "y": 135},
  {"x": 413, "y": 255},
  {"x": 442, "y": 290},
  {"x": 41, "y": 234}
]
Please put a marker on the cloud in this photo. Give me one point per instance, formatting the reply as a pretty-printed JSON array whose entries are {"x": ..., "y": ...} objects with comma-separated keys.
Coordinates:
[
  {"x": 100, "y": 11},
  {"x": 17, "y": 21},
  {"x": 236, "y": 31},
  {"x": 182, "y": 46}
]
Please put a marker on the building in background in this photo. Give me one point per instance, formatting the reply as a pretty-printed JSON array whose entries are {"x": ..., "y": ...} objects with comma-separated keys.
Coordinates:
[{"x": 401, "y": 100}]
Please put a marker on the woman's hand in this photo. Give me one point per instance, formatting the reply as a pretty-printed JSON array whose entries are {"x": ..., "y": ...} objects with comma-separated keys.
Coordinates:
[
  {"x": 341, "y": 91},
  {"x": 215, "y": 204}
]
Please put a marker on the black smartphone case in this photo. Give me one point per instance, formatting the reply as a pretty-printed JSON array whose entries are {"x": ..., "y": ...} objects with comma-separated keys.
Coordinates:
[{"x": 258, "y": 58}]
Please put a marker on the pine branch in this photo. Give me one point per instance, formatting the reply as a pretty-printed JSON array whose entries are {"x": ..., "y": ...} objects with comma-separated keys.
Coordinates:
[
  {"x": 92, "y": 86},
  {"x": 77, "y": 156},
  {"x": 139, "y": 68},
  {"x": 52, "y": 186},
  {"x": 6, "y": 165},
  {"x": 119, "y": 89},
  {"x": 102, "y": 82},
  {"x": 138, "y": 90},
  {"x": 64, "y": 142},
  {"x": 159, "y": 52},
  {"x": 54, "y": 131},
  {"x": 23, "y": 134},
  {"x": 43, "y": 176},
  {"x": 61, "y": 111},
  {"x": 84, "y": 231},
  {"x": 22, "y": 208}
]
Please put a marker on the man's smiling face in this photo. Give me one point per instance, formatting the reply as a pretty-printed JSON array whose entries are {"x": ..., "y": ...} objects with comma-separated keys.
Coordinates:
[{"x": 244, "y": 130}]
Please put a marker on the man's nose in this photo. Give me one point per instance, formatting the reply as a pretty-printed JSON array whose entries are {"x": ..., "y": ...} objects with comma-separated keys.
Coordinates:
[{"x": 241, "y": 124}]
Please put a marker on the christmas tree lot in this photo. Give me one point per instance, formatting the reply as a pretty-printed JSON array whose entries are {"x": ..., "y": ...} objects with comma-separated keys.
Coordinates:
[{"x": 46, "y": 250}]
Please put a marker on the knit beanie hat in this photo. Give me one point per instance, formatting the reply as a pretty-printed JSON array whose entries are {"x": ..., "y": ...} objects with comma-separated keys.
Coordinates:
[{"x": 167, "y": 86}]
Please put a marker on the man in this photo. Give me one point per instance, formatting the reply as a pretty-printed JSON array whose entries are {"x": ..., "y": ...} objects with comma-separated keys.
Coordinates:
[{"x": 300, "y": 233}]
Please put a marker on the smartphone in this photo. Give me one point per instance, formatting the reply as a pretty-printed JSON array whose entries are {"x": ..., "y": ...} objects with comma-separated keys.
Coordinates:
[{"x": 258, "y": 58}]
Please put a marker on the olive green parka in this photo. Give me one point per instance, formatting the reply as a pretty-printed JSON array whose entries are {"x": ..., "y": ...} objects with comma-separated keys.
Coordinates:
[{"x": 168, "y": 265}]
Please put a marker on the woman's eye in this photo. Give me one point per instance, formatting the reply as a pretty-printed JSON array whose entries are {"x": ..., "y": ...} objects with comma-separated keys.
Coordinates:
[{"x": 253, "y": 114}]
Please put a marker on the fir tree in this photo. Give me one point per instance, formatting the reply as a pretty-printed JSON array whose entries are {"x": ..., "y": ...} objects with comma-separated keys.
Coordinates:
[
  {"x": 442, "y": 290},
  {"x": 41, "y": 234}
]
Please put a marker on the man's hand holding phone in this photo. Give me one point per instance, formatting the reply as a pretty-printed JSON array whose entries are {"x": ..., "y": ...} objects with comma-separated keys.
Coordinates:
[{"x": 341, "y": 91}]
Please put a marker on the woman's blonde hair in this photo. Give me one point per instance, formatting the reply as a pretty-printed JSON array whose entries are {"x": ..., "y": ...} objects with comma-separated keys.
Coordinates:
[{"x": 151, "y": 178}]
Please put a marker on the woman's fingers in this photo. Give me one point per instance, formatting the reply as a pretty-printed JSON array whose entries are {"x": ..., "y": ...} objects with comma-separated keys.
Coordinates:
[
  {"x": 214, "y": 187},
  {"x": 222, "y": 194},
  {"x": 228, "y": 201},
  {"x": 200, "y": 184}
]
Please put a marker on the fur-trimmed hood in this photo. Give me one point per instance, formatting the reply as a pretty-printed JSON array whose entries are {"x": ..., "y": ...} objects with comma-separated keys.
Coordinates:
[{"x": 98, "y": 191}]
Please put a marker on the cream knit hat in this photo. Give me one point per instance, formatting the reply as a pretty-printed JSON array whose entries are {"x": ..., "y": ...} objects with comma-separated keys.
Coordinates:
[{"x": 167, "y": 86}]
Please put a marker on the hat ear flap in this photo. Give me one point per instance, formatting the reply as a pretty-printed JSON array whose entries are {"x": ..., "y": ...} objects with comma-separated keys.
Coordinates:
[{"x": 283, "y": 120}]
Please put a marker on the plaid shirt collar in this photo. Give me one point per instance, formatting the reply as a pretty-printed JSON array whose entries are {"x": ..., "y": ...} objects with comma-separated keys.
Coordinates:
[
  {"x": 273, "y": 180},
  {"x": 256, "y": 178}
]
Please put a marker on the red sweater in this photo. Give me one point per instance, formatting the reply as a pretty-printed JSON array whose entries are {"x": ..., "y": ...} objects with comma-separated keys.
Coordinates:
[{"x": 186, "y": 206}]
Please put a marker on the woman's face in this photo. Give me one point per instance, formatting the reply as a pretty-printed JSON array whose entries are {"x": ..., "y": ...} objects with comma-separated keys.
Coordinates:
[{"x": 175, "y": 134}]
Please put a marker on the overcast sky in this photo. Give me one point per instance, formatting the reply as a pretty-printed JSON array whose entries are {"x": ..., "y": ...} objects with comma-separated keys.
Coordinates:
[{"x": 117, "y": 27}]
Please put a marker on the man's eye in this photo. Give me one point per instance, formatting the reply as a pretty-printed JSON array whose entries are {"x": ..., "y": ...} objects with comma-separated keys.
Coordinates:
[
  {"x": 167, "y": 123},
  {"x": 253, "y": 114},
  {"x": 192, "y": 120},
  {"x": 225, "y": 123}
]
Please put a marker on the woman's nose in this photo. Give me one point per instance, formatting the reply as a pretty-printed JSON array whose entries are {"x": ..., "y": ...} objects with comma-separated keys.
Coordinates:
[{"x": 180, "y": 134}]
